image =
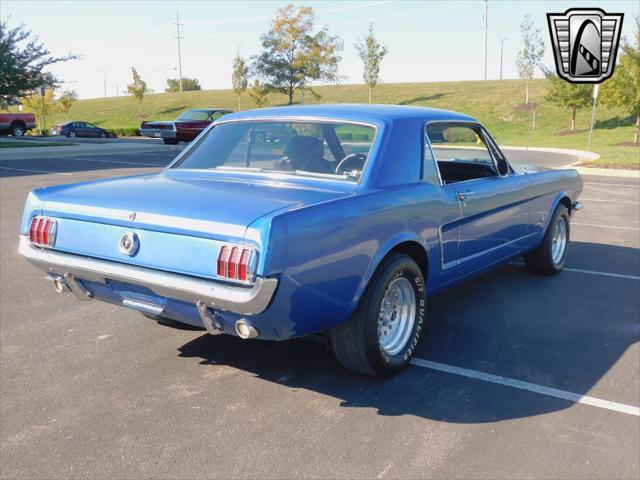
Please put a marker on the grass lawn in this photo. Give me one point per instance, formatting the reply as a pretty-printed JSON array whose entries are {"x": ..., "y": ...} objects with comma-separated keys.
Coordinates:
[
  {"x": 30, "y": 143},
  {"x": 494, "y": 103}
]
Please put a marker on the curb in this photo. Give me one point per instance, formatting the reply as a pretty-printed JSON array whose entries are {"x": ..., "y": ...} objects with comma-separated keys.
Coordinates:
[
  {"x": 579, "y": 154},
  {"x": 604, "y": 172},
  {"x": 583, "y": 155}
]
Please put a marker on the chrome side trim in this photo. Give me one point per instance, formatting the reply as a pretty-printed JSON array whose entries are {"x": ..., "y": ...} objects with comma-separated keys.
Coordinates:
[{"x": 240, "y": 300}]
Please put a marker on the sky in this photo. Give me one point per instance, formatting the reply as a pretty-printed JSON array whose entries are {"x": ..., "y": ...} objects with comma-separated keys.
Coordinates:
[{"x": 427, "y": 40}]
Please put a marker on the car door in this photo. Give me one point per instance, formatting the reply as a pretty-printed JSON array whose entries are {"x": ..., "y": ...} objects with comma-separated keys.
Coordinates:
[
  {"x": 494, "y": 210},
  {"x": 92, "y": 130}
]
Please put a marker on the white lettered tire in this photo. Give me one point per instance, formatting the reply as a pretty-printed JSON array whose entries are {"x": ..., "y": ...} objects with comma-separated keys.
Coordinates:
[{"x": 380, "y": 337}]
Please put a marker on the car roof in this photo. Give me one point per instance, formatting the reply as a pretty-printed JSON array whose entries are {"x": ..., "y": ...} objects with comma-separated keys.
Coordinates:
[{"x": 354, "y": 112}]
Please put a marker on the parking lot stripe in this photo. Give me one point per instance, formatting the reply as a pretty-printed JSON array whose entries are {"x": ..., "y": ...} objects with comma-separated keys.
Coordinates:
[
  {"x": 608, "y": 201},
  {"x": 530, "y": 387},
  {"x": 613, "y": 184},
  {"x": 604, "y": 274},
  {"x": 591, "y": 272},
  {"x": 604, "y": 226},
  {"x": 36, "y": 171},
  {"x": 114, "y": 161}
]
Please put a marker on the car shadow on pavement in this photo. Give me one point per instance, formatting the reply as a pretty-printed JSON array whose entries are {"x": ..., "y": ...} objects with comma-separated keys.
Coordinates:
[{"x": 562, "y": 332}]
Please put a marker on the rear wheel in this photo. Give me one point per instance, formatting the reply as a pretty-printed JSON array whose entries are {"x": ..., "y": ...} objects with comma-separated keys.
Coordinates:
[
  {"x": 72, "y": 134},
  {"x": 17, "y": 129},
  {"x": 551, "y": 254},
  {"x": 380, "y": 337}
]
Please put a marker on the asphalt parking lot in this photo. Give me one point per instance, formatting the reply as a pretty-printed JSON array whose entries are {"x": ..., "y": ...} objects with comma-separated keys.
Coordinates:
[{"x": 521, "y": 376}]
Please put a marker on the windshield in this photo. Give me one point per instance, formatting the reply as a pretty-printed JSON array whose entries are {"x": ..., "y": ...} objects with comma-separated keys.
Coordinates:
[
  {"x": 326, "y": 149},
  {"x": 195, "y": 115}
]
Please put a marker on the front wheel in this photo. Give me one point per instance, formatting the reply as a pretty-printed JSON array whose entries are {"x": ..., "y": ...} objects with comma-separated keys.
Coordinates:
[
  {"x": 380, "y": 337},
  {"x": 551, "y": 254},
  {"x": 170, "y": 141}
]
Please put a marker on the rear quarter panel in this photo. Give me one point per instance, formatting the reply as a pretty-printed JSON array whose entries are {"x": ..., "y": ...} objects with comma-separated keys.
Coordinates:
[{"x": 333, "y": 249}]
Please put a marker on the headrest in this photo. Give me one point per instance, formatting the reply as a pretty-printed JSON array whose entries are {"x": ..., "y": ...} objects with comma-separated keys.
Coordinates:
[{"x": 303, "y": 147}]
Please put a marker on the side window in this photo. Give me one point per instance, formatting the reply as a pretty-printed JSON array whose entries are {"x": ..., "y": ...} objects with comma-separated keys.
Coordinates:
[
  {"x": 216, "y": 115},
  {"x": 460, "y": 152}
]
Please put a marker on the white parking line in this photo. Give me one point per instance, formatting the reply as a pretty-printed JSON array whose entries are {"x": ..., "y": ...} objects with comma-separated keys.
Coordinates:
[
  {"x": 590, "y": 272},
  {"x": 531, "y": 387},
  {"x": 608, "y": 201},
  {"x": 604, "y": 226},
  {"x": 612, "y": 184},
  {"x": 36, "y": 171},
  {"x": 113, "y": 161},
  {"x": 604, "y": 274}
]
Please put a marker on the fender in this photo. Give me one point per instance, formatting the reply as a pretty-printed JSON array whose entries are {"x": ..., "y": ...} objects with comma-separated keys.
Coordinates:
[
  {"x": 554, "y": 205},
  {"x": 382, "y": 252}
]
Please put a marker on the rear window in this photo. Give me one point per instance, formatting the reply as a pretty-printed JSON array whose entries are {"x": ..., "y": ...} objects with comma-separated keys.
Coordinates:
[{"x": 325, "y": 149}]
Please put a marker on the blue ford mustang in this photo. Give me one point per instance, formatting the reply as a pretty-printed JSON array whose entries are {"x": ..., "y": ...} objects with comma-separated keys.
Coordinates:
[{"x": 284, "y": 222}]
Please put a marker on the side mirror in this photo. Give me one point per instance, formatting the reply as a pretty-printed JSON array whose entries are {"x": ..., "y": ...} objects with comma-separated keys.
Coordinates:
[{"x": 503, "y": 166}]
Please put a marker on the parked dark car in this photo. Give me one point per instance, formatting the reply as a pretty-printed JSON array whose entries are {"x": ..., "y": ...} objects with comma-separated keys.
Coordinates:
[
  {"x": 78, "y": 129},
  {"x": 184, "y": 128}
]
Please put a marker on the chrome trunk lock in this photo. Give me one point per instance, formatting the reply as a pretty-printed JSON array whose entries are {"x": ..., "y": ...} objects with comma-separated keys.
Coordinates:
[{"x": 209, "y": 319}]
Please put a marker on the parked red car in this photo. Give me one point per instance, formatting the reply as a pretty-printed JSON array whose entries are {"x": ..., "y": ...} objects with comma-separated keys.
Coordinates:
[
  {"x": 184, "y": 128},
  {"x": 16, "y": 124}
]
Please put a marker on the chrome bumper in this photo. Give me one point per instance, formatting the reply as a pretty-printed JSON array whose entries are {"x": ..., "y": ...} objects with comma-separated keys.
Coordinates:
[
  {"x": 243, "y": 301},
  {"x": 158, "y": 133}
]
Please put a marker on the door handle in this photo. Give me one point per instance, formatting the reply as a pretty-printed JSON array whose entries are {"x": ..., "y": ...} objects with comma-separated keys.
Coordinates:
[{"x": 463, "y": 196}]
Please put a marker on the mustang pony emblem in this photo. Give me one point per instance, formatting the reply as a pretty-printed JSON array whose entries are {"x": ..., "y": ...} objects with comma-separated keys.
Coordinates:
[
  {"x": 585, "y": 43},
  {"x": 129, "y": 243}
]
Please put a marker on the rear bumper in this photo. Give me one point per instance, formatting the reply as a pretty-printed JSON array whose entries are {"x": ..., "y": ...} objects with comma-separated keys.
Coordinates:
[
  {"x": 158, "y": 133},
  {"x": 73, "y": 268}
]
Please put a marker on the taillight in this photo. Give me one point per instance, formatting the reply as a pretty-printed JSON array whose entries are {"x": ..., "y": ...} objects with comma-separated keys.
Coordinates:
[
  {"x": 236, "y": 263},
  {"x": 42, "y": 231}
]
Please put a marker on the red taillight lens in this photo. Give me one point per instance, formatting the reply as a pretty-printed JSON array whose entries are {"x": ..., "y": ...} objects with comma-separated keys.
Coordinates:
[
  {"x": 223, "y": 260},
  {"x": 235, "y": 263},
  {"x": 42, "y": 231}
]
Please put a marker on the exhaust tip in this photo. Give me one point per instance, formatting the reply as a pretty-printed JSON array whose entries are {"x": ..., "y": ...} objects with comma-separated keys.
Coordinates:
[
  {"x": 245, "y": 330},
  {"x": 60, "y": 285}
]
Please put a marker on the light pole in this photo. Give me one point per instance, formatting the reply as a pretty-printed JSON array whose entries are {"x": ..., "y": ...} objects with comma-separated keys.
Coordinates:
[
  {"x": 104, "y": 79},
  {"x": 178, "y": 37},
  {"x": 502, "y": 40},
  {"x": 486, "y": 27}
]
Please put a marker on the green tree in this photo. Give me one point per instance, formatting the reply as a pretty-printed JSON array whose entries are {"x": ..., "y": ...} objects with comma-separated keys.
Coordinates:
[
  {"x": 138, "y": 88},
  {"x": 531, "y": 54},
  {"x": 66, "y": 101},
  {"x": 22, "y": 62},
  {"x": 293, "y": 56},
  {"x": 371, "y": 53},
  {"x": 188, "y": 84},
  {"x": 570, "y": 95},
  {"x": 258, "y": 94},
  {"x": 239, "y": 77},
  {"x": 33, "y": 103},
  {"x": 623, "y": 88}
]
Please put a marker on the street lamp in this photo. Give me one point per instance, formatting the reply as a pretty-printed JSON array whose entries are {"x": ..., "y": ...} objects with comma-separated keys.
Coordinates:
[
  {"x": 502, "y": 40},
  {"x": 104, "y": 79}
]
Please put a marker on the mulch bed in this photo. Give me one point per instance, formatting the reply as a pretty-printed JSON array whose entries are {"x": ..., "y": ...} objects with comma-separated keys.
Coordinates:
[
  {"x": 564, "y": 133},
  {"x": 627, "y": 144}
]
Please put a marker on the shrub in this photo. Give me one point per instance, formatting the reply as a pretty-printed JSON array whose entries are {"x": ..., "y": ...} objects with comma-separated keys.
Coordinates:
[{"x": 345, "y": 135}]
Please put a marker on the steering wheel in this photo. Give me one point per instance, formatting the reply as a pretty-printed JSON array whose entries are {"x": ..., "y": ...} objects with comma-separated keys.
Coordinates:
[{"x": 353, "y": 161}]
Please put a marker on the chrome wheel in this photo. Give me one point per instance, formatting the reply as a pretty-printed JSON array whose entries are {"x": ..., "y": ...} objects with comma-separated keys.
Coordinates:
[
  {"x": 397, "y": 316},
  {"x": 559, "y": 241}
]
